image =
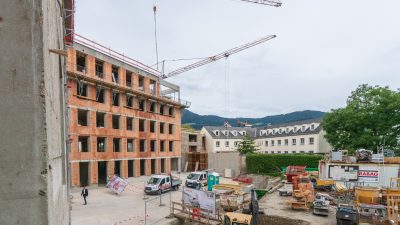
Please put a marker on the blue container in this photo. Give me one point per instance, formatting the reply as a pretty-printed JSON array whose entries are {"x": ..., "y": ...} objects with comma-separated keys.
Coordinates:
[{"x": 212, "y": 179}]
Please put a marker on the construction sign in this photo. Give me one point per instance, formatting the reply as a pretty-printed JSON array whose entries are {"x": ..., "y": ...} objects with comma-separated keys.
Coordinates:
[
  {"x": 370, "y": 176},
  {"x": 117, "y": 184},
  {"x": 200, "y": 199}
]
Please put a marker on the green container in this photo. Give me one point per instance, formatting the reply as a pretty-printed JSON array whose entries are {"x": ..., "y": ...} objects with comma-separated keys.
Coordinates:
[
  {"x": 260, "y": 193},
  {"x": 212, "y": 179}
]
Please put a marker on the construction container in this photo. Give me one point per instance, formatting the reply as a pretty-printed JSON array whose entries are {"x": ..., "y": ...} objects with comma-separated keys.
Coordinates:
[
  {"x": 366, "y": 195},
  {"x": 292, "y": 171}
]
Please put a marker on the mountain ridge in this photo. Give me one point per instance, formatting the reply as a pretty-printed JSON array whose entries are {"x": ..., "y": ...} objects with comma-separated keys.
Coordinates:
[{"x": 198, "y": 121}]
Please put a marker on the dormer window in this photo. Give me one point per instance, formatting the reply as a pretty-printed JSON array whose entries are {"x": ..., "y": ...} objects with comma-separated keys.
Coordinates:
[
  {"x": 287, "y": 129},
  {"x": 294, "y": 129},
  {"x": 280, "y": 130},
  {"x": 312, "y": 126},
  {"x": 216, "y": 132},
  {"x": 234, "y": 133},
  {"x": 226, "y": 133},
  {"x": 303, "y": 128}
]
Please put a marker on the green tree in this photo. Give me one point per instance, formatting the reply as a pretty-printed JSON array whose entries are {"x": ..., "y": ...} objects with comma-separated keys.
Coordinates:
[
  {"x": 370, "y": 119},
  {"x": 246, "y": 145}
]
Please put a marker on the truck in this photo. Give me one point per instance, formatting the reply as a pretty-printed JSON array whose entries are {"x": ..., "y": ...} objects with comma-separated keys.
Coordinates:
[
  {"x": 196, "y": 179},
  {"x": 157, "y": 184},
  {"x": 286, "y": 190},
  {"x": 346, "y": 215}
]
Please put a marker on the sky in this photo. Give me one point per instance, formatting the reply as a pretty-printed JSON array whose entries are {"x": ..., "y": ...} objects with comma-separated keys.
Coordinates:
[{"x": 322, "y": 52}]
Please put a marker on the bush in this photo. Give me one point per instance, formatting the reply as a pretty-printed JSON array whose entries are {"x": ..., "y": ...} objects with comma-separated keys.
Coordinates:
[{"x": 272, "y": 163}]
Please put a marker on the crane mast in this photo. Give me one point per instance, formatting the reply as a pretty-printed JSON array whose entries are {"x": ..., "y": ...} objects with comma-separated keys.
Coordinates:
[
  {"x": 276, "y": 3},
  {"x": 218, "y": 56}
]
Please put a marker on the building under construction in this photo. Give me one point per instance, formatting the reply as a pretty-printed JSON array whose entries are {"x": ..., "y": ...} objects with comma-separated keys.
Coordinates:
[
  {"x": 194, "y": 154},
  {"x": 124, "y": 118}
]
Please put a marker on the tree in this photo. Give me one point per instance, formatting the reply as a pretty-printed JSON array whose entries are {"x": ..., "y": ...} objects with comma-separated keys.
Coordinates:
[
  {"x": 370, "y": 120},
  {"x": 246, "y": 145}
]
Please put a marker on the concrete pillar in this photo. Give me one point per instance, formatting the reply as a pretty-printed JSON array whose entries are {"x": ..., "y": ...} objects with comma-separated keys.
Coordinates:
[
  {"x": 124, "y": 169},
  {"x": 34, "y": 187},
  {"x": 148, "y": 167},
  {"x": 93, "y": 170},
  {"x": 75, "y": 174},
  {"x": 136, "y": 164},
  {"x": 158, "y": 168},
  {"x": 110, "y": 171},
  {"x": 168, "y": 165}
]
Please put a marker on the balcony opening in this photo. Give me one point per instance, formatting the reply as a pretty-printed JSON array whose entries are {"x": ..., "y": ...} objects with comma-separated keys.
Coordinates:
[
  {"x": 162, "y": 128},
  {"x": 83, "y": 117},
  {"x": 171, "y": 146},
  {"x": 100, "y": 94},
  {"x": 153, "y": 145},
  {"x": 129, "y": 145},
  {"x": 83, "y": 144},
  {"x": 152, "y": 87},
  {"x": 129, "y": 101},
  {"x": 152, "y": 107},
  {"x": 170, "y": 128},
  {"x": 114, "y": 74},
  {"x": 162, "y": 146},
  {"x": 162, "y": 109},
  {"x": 82, "y": 89},
  {"x": 152, "y": 126},
  {"x": 141, "y": 83},
  {"x": 101, "y": 144},
  {"x": 116, "y": 144},
  {"x": 99, "y": 68},
  {"x": 142, "y": 145},
  {"x": 171, "y": 111},
  {"x": 115, "y": 98},
  {"x": 128, "y": 80},
  {"x": 142, "y": 104},
  {"x": 115, "y": 122},
  {"x": 81, "y": 62},
  {"x": 129, "y": 123},
  {"x": 142, "y": 125},
  {"x": 100, "y": 120}
]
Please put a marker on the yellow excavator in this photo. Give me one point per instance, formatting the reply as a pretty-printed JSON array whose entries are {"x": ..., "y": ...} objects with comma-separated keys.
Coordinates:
[{"x": 248, "y": 217}]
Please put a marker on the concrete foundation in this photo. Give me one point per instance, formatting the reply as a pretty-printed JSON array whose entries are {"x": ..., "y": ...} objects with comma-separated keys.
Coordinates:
[{"x": 33, "y": 187}]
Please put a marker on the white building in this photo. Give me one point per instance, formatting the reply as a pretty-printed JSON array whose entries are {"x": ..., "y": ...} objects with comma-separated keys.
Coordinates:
[{"x": 298, "y": 137}]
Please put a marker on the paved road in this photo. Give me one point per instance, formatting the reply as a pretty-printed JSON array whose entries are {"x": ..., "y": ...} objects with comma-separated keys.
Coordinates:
[{"x": 106, "y": 207}]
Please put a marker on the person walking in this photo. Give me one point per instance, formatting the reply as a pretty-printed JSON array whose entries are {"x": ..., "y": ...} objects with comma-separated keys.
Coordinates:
[{"x": 84, "y": 194}]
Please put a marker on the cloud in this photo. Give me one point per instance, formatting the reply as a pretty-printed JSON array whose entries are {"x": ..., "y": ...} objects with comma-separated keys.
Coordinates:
[{"x": 323, "y": 51}]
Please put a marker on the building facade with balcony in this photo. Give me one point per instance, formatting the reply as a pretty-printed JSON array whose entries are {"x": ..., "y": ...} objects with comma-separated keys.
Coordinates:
[
  {"x": 298, "y": 137},
  {"x": 124, "y": 118}
]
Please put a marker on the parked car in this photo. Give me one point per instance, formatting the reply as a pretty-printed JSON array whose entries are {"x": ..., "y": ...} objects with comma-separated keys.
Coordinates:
[
  {"x": 196, "y": 179},
  {"x": 158, "y": 184}
]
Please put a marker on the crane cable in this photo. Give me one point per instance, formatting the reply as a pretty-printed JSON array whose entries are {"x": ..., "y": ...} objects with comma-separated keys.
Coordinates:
[
  {"x": 227, "y": 85},
  {"x": 155, "y": 29}
]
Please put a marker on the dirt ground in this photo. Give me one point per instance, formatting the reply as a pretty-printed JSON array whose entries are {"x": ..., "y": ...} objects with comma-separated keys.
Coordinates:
[{"x": 277, "y": 210}]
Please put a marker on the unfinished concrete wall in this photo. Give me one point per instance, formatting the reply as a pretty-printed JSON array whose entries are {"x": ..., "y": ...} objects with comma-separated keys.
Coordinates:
[
  {"x": 32, "y": 153},
  {"x": 220, "y": 161}
]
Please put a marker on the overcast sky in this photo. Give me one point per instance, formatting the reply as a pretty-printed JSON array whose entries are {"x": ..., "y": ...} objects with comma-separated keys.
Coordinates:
[{"x": 323, "y": 49}]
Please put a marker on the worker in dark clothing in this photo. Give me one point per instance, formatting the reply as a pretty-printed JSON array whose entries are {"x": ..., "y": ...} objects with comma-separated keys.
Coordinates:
[{"x": 84, "y": 194}]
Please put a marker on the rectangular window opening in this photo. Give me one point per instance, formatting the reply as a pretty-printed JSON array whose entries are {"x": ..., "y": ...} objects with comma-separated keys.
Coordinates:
[
  {"x": 116, "y": 144},
  {"x": 83, "y": 117},
  {"x": 115, "y": 122},
  {"x": 114, "y": 74},
  {"x": 142, "y": 125},
  {"x": 171, "y": 129},
  {"x": 142, "y": 145},
  {"x": 100, "y": 120},
  {"x": 129, "y": 146},
  {"x": 100, "y": 94},
  {"x": 152, "y": 107},
  {"x": 129, "y": 123},
  {"x": 81, "y": 62},
  {"x": 99, "y": 68},
  {"x": 153, "y": 145},
  {"x": 171, "y": 146},
  {"x": 141, "y": 83},
  {"x": 83, "y": 144},
  {"x": 115, "y": 98},
  {"x": 162, "y": 146},
  {"x": 82, "y": 89},
  {"x": 152, "y": 126},
  {"x": 101, "y": 144},
  {"x": 128, "y": 80},
  {"x": 129, "y": 101},
  {"x": 142, "y": 104}
]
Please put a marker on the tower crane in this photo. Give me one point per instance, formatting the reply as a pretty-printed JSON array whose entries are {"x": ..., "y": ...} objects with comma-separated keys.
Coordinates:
[
  {"x": 218, "y": 56},
  {"x": 275, "y": 3}
]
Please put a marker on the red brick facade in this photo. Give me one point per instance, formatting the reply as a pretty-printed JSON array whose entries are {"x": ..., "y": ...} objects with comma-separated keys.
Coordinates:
[{"x": 97, "y": 149}]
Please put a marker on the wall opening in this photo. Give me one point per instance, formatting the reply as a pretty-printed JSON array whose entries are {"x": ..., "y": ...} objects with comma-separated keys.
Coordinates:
[
  {"x": 171, "y": 146},
  {"x": 162, "y": 128},
  {"x": 152, "y": 87},
  {"x": 129, "y": 123},
  {"x": 128, "y": 80},
  {"x": 83, "y": 117},
  {"x": 115, "y": 122},
  {"x": 117, "y": 168},
  {"x": 100, "y": 120},
  {"x": 175, "y": 164},
  {"x": 100, "y": 95},
  {"x": 171, "y": 128},
  {"x": 102, "y": 172},
  {"x": 80, "y": 62},
  {"x": 162, "y": 165},
  {"x": 114, "y": 74},
  {"x": 131, "y": 168},
  {"x": 142, "y": 145},
  {"x": 99, "y": 68},
  {"x": 116, "y": 144},
  {"x": 162, "y": 109},
  {"x": 142, "y": 104},
  {"x": 129, "y": 145},
  {"x": 115, "y": 98},
  {"x": 101, "y": 144},
  {"x": 142, "y": 125},
  {"x": 84, "y": 173},
  {"x": 83, "y": 144},
  {"x": 142, "y": 167},
  {"x": 153, "y": 166},
  {"x": 152, "y": 107},
  {"x": 152, "y": 126},
  {"x": 129, "y": 101},
  {"x": 162, "y": 146},
  {"x": 153, "y": 145},
  {"x": 192, "y": 138},
  {"x": 82, "y": 89},
  {"x": 141, "y": 83}
]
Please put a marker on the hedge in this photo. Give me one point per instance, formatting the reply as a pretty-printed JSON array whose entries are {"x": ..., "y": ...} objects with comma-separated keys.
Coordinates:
[{"x": 270, "y": 164}]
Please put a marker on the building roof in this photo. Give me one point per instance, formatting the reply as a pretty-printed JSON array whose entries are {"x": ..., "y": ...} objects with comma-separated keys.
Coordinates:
[{"x": 258, "y": 133}]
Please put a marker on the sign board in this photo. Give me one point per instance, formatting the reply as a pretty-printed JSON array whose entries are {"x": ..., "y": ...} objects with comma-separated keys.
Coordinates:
[
  {"x": 343, "y": 172},
  {"x": 200, "y": 199},
  {"x": 117, "y": 184},
  {"x": 371, "y": 176}
]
